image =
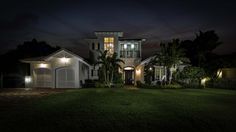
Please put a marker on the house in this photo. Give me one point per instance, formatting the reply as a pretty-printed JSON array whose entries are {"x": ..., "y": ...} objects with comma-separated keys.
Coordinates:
[{"x": 64, "y": 69}]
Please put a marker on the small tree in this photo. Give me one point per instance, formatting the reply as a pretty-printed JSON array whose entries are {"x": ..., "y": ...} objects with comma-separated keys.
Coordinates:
[{"x": 109, "y": 66}]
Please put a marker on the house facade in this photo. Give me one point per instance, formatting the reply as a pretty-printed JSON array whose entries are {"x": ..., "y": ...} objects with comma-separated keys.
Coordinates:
[
  {"x": 129, "y": 50},
  {"x": 64, "y": 69}
]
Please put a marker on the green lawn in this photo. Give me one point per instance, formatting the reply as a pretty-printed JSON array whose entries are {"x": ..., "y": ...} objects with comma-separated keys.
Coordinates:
[{"x": 188, "y": 110}]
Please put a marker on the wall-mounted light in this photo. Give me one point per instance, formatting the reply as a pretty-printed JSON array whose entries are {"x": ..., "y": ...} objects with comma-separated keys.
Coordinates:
[
  {"x": 150, "y": 68},
  {"x": 43, "y": 65},
  {"x": 125, "y": 46},
  {"x": 138, "y": 72},
  {"x": 65, "y": 60},
  {"x": 132, "y": 46},
  {"x": 28, "y": 79}
]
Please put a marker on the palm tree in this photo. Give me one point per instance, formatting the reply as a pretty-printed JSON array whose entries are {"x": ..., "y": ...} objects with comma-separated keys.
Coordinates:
[
  {"x": 114, "y": 65},
  {"x": 109, "y": 64},
  {"x": 103, "y": 61}
]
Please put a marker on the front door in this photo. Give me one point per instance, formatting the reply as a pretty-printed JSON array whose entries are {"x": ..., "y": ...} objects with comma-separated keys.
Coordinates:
[{"x": 129, "y": 77}]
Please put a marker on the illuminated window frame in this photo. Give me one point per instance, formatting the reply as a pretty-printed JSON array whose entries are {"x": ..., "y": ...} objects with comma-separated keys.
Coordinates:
[{"x": 109, "y": 44}]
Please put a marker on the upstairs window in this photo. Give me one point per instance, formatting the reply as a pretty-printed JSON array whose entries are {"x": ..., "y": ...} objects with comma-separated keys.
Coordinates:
[
  {"x": 93, "y": 46},
  {"x": 109, "y": 45}
]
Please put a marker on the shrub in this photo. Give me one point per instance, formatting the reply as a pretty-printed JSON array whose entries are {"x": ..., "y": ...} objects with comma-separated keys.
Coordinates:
[
  {"x": 222, "y": 83},
  {"x": 88, "y": 83},
  {"x": 148, "y": 86}
]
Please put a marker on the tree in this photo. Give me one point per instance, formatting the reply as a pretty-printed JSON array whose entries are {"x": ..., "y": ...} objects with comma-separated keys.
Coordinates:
[
  {"x": 109, "y": 66},
  {"x": 201, "y": 47},
  {"x": 170, "y": 55},
  {"x": 12, "y": 64},
  {"x": 114, "y": 65}
]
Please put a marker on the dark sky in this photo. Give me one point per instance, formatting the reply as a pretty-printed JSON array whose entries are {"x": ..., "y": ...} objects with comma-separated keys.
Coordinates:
[{"x": 67, "y": 23}]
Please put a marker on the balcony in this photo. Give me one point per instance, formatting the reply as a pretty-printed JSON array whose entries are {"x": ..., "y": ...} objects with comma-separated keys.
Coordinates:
[{"x": 130, "y": 54}]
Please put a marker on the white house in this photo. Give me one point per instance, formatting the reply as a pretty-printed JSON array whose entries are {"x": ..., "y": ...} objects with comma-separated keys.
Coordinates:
[{"x": 64, "y": 69}]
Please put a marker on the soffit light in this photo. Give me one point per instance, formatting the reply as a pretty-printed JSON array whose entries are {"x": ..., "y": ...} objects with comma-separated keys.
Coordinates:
[
  {"x": 64, "y": 60},
  {"x": 43, "y": 65}
]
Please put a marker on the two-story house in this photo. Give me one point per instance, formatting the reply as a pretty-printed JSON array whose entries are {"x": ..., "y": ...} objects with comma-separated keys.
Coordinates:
[
  {"x": 66, "y": 69},
  {"x": 129, "y": 50}
]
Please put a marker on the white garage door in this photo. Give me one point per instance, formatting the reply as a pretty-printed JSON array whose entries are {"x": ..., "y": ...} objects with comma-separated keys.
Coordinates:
[
  {"x": 43, "y": 77},
  {"x": 65, "y": 78}
]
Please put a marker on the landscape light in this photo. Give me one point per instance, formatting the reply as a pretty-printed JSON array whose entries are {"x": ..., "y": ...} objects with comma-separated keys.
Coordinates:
[
  {"x": 219, "y": 73},
  {"x": 28, "y": 79}
]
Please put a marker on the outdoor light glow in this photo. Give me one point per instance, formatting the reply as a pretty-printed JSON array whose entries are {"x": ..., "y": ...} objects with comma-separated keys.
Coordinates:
[
  {"x": 128, "y": 68},
  {"x": 138, "y": 71},
  {"x": 150, "y": 68},
  {"x": 42, "y": 65},
  {"x": 219, "y": 74},
  {"x": 204, "y": 80},
  {"x": 28, "y": 79},
  {"x": 125, "y": 46},
  {"x": 64, "y": 60},
  {"x": 132, "y": 46}
]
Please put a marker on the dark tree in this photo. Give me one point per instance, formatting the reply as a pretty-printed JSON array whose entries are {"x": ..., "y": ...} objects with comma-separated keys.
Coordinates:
[{"x": 12, "y": 70}]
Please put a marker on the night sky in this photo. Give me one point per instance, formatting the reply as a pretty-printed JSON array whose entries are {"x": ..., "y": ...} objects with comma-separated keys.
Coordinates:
[{"x": 68, "y": 23}]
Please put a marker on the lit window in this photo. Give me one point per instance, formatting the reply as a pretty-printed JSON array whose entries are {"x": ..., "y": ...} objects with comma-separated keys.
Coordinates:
[{"x": 109, "y": 44}]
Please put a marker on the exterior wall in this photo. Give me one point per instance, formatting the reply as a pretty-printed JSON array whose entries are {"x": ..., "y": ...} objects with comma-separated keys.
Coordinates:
[
  {"x": 77, "y": 71},
  {"x": 229, "y": 73}
]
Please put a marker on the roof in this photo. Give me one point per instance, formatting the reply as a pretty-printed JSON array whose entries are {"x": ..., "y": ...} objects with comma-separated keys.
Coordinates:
[
  {"x": 45, "y": 58},
  {"x": 132, "y": 39},
  {"x": 119, "y": 33}
]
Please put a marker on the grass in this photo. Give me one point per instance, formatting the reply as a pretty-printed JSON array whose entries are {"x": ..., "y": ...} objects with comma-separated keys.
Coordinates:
[{"x": 123, "y": 110}]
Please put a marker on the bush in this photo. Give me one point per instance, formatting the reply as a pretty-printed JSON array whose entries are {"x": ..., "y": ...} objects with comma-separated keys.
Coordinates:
[
  {"x": 148, "y": 86},
  {"x": 222, "y": 83},
  {"x": 88, "y": 83}
]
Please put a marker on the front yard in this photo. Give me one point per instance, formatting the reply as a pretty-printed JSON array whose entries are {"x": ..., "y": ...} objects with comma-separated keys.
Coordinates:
[{"x": 101, "y": 109}]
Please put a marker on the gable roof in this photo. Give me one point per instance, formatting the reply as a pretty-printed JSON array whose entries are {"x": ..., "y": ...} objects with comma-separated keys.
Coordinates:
[{"x": 46, "y": 58}]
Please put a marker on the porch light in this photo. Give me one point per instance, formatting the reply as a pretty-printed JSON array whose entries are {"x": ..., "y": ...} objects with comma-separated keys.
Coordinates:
[
  {"x": 28, "y": 79},
  {"x": 64, "y": 60},
  {"x": 150, "y": 69},
  {"x": 128, "y": 68}
]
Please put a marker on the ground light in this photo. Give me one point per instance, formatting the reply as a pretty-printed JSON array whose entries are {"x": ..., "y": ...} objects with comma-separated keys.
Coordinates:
[{"x": 204, "y": 80}]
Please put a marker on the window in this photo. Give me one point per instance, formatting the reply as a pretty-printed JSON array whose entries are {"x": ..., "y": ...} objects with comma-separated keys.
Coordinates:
[
  {"x": 109, "y": 45},
  {"x": 93, "y": 46},
  {"x": 129, "y": 50},
  {"x": 98, "y": 46},
  {"x": 94, "y": 72}
]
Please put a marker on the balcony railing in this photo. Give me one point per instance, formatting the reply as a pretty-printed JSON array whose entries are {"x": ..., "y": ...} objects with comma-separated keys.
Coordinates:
[{"x": 130, "y": 54}]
